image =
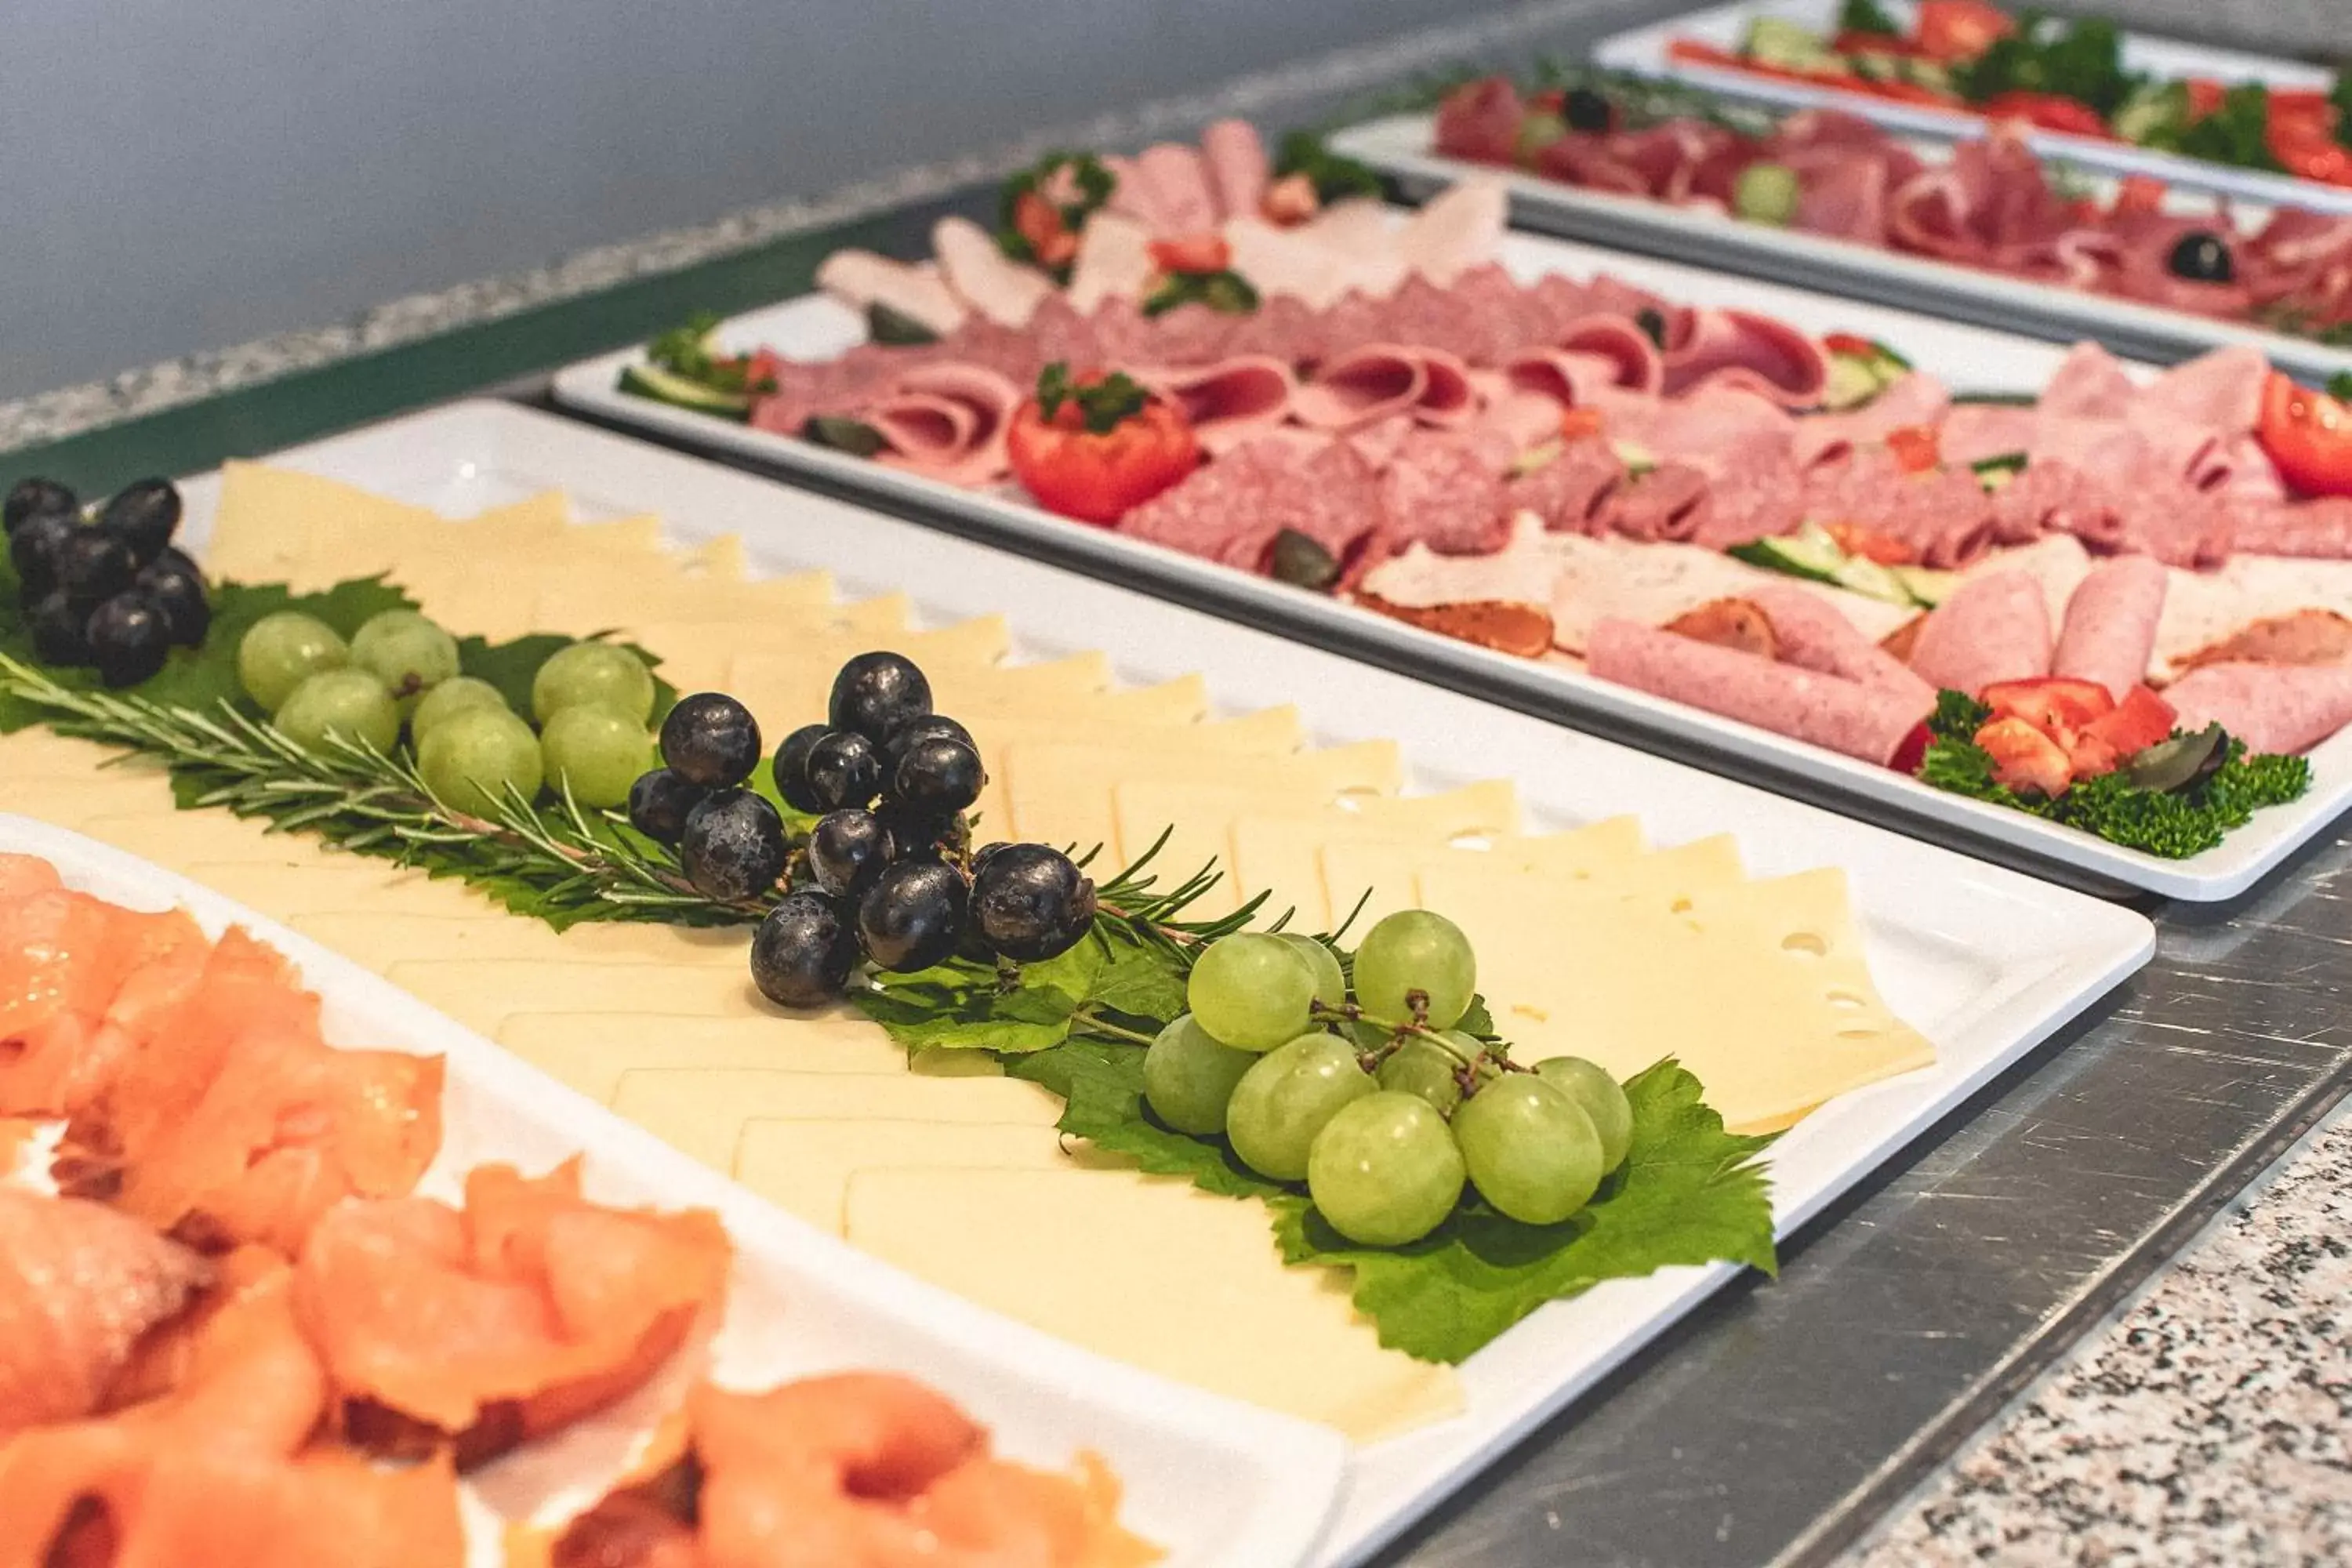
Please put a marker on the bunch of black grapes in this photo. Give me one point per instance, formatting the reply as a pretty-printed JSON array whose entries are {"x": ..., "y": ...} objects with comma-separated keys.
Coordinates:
[
  {"x": 101, "y": 586},
  {"x": 888, "y": 876}
]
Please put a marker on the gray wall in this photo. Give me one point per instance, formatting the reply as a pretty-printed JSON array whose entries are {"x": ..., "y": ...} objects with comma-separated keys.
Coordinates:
[{"x": 181, "y": 174}]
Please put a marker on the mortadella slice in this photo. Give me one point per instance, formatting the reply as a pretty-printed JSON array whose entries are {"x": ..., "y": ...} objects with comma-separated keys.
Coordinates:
[
  {"x": 1864, "y": 721},
  {"x": 1380, "y": 381},
  {"x": 947, "y": 421},
  {"x": 2270, "y": 707},
  {"x": 1231, "y": 401},
  {"x": 1993, "y": 628},
  {"x": 2111, "y": 621},
  {"x": 1114, "y": 262},
  {"x": 983, "y": 277}
]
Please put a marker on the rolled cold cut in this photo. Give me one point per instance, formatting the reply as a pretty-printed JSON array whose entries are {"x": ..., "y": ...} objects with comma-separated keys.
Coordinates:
[
  {"x": 1993, "y": 628},
  {"x": 1864, "y": 721}
]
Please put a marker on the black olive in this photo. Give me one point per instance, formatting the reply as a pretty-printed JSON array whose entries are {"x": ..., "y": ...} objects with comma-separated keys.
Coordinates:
[
  {"x": 1585, "y": 109},
  {"x": 1653, "y": 322},
  {"x": 2203, "y": 256}
]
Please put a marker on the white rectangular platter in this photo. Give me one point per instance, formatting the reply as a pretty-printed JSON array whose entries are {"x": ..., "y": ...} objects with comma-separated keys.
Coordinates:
[
  {"x": 1400, "y": 146},
  {"x": 1986, "y": 962},
  {"x": 1646, "y": 50},
  {"x": 1218, "y": 1483},
  {"x": 1969, "y": 359}
]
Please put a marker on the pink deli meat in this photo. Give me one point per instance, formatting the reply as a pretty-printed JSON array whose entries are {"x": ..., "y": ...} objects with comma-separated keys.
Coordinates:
[
  {"x": 1230, "y": 402},
  {"x": 1864, "y": 721},
  {"x": 1238, "y": 171},
  {"x": 1994, "y": 628},
  {"x": 1742, "y": 348},
  {"x": 2270, "y": 707},
  {"x": 1381, "y": 379},
  {"x": 1811, "y": 633},
  {"x": 2110, "y": 627},
  {"x": 947, "y": 422}
]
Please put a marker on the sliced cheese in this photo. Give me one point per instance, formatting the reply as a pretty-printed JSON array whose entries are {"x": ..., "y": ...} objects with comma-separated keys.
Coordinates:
[
  {"x": 1155, "y": 1273},
  {"x": 803, "y": 1164},
  {"x": 1063, "y": 792},
  {"x": 179, "y": 839},
  {"x": 484, "y": 991},
  {"x": 284, "y": 889},
  {"x": 591, "y": 1051},
  {"x": 381, "y": 936},
  {"x": 787, "y": 689},
  {"x": 69, "y": 803},
  {"x": 702, "y": 1112},
  {"x": 272, "y": 524},
  {"x": 36, "y": 753}
]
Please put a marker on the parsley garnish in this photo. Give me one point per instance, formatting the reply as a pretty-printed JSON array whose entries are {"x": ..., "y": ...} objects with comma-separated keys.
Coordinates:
[
  {"x": 2082, "y": 60},
  {"x": 1103, "y": 405},
  {"x": 1866, "y": 17},
  {"x": 1089, "y": 175},
  {"x": 1228, "y": 291},
  {"x": 1333, "y": 176},
  {"x": 684, "y": 351}
]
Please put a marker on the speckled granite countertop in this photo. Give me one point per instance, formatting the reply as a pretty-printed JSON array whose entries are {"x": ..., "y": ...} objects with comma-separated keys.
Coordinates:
[
  {"x": 2206, "y": 1422},
  {"x": 2209, "y": 1421}
]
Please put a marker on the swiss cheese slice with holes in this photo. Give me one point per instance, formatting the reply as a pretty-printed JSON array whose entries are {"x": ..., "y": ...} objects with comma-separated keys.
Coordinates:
[
  {"x": 1384, "y": 872},
  {"x": 484, "y": 991},
  {"x": 805, "y": 1165},
  {"x": 590, "y": 1051},
  {"x": 1628, "y": 979},
  {"x": 1143, "y": 1269},
  {"x": 1064, "y": 791},
  {"x": 702, "y": 1112}
]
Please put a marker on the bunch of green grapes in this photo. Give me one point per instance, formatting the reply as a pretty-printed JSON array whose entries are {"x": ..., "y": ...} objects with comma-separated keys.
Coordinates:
[
  {"x": 593, "y": 702},
  {"x": 1373, "y": 1097}
]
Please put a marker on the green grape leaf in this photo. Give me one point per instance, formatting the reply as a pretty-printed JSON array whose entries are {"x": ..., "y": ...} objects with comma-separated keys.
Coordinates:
[
  {"x": 1101, "y": 1085},
  {"x": 1688, "y": 1193}
]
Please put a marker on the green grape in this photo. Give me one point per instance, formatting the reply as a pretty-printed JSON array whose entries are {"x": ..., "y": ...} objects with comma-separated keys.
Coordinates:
[
  {"x": 1330, "y": 982},
  {"x": 1284, "y": 1099},
  {"x": 1385, "y": 1170},
  {"x": 280, "y": 651},
  {"x": 1425, "y": 1070},
  {"x": 1600, "y": 1097},
  {"x": 1530, "y": 1149},
  {"x": 593, "y": 672},
  {"x": 1414, "y": 949},
  {"x": 1251, "y": 992},
  {"x": 454, "y": 695},
  {"x": 408, "y": 653},
  {"x": 597, "y": 751},
  {"x": 1188, "y": 1078},
  {"x": 470, "y": 758},
  {"x": 348, "y": 703}
]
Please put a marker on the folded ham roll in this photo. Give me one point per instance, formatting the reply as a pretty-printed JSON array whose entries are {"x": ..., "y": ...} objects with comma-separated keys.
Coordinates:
[
  {"x": 1864, "y": 721},
  {"x": 1230, "y": 402},
  {"x": 1814, "y": 635},
  {"x": 946, "y": 421},
  {"x": 2270, "y": 707},
  {"x": 2111, "y": 621},
  {"x": 1994, "y": 628}
]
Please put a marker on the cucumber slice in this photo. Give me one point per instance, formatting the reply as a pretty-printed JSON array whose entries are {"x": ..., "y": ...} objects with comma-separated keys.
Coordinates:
[
  {"x": 1808, "y": 552},
  {"x": 1778, "y": 41},
  {"x": 663, "y": 386},
  {"x": 1871, "y": 580},
  {"x": 1927, "y": 587}
]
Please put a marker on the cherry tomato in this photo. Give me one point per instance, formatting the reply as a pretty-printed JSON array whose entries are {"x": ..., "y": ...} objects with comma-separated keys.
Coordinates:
[
  {"x": 2054, "y": 704},
  {"x": 2023, "y": 758},
  {"x": 1577, "y": 423},
  {"x": 2310, "y": 154},
  {"x": 2205, "y": 96},
  {"x": 2048, "y": 111},
  {"x": 1852, "y": 344},
  {"x": 1960, "y": 29},
  {"x": 1867, "y": 544},
  {"x": 1099, "y": 475},
  {"x": 1913, "y": 750},
  {"x": 1916, "y": 449},
  {"x": 1205, "y": 252},
  {"x": 2139, "y": 194},
  {"x": 1039, "y": 222},
  {"x": 2138, "y": 722},
  {"x": 2309, "y": 435}
]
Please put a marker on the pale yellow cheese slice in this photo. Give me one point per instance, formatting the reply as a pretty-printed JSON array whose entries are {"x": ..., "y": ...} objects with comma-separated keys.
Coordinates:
[
  {"x": 39, "y": 754},
  {"x": 1626, "y": 979},
  {"x": 388, "y": 936},
  {"x": 69, "y": 803},
  {"x": 272, "y": 523},
  {"x": 805, "y": 1165},
  {"x": 590, "y": 1051},
  {"x": 1155, "y": 1273},
  {"x": 355, "y": 882},
  {"x": 484, "y": 991},
  {"x": 1063, "y": 792},
  {"x": 788, "y": 688},
  {"x": 180, "y": 839},
  {"x": 702, "y": 1112}
]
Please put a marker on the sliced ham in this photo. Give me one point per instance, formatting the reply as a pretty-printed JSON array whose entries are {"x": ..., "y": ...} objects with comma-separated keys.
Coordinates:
[
  {"x": 2270, "y": 707},
  {"x": 947, "y": 422},
  {"x": 1994, "y": 628},
  {"x": 1173, "y": 193},
  {"x": 2220, "y": 391},
  {"x": 1381, "y": 379},
  {"x": 1914, "y": 400},
  {"x": 2089, "y": 383},
  {"x": 1459, "y": 228},
  {"x": 859, "y": 278},
  {"x": 1973, "y": 432},
  {"x": 2318, "y": 528},
  {"x": 1846, "y": 716},
  {"x": 1669, "y": 502},
  {"x": 1234, "y": 156},
  {"x": 1571, "y": 493},
  {"x": 1229, "y": 402},
  {"x": 1744, "y": 349},
  {"x": 2110, "y": 625},
  {"x": 991, "y": 283},
  {"x": 1114, "y": 261}
]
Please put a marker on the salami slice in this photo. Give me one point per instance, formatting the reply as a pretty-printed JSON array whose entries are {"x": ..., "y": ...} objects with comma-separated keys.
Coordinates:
[
  {"x": 2111, "y": 621},
  {"x": 1995, "y": 628},
  {"x": 1864, "y": 721},
  {"x": 2270, "y": 707}
]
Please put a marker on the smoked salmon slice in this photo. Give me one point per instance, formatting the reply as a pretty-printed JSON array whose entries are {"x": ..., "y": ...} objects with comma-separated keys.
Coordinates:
[
  {"x": 528, "y": 1308},
  {"x": 21, "y": 876},
  {"x": 79, "y": 1285},
  {"x": 216, "y": 1474},
  {"x": 108, "y": 973}
]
